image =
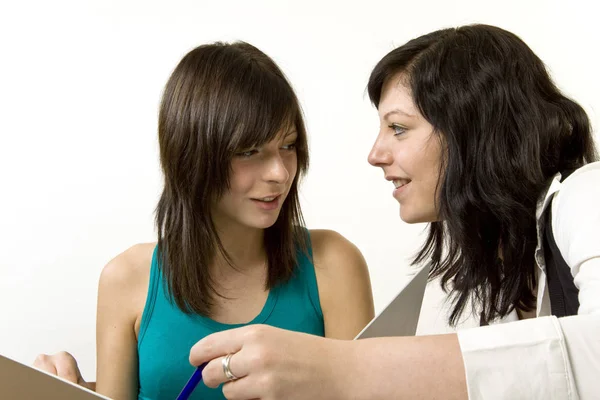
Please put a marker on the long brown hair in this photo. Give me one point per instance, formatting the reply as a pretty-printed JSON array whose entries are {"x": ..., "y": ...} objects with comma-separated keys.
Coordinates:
[{"x": 220, "y": 98}]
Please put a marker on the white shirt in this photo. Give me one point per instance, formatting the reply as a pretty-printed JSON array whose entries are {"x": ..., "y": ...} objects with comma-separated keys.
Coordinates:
[{"x": 548, "y": 357}]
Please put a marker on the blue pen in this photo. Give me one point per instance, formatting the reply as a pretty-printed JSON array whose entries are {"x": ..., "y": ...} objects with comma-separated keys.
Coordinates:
[{"x": 192, "y": 383}]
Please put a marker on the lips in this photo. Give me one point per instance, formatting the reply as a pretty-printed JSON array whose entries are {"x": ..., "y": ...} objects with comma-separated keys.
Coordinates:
[
  {"x": 268, "y": 203},
  {"x": 400, "y": 186},
  {"x": 398, "y": 183},
  {"x": 268, "y": 199}
]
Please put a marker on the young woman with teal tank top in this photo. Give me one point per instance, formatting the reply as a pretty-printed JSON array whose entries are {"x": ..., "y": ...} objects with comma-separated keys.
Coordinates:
[{"x": 232, "y": 248}]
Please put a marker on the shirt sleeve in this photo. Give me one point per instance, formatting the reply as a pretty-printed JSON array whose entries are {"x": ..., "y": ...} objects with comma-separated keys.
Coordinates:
[
  {"x": 576, "y": 218},
  {"x": 576, "y": 229},
  {"x": 518, "y": 360},
  {"x": 548, "y": 357}
]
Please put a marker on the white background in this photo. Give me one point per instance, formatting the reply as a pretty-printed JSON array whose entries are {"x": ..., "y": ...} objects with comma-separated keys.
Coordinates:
[{"x": 80, "y": 83}]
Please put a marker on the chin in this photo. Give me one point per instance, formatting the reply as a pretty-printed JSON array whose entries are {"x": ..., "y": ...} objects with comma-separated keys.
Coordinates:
[
  {"x": 264, "y": 223},
  {"x": 415, "y": 218},
  {"x": 408, "y": 220},
  {"x": 265, "y": 226}
]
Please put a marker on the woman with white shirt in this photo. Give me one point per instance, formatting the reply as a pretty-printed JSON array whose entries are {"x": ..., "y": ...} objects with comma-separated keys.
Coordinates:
[
  {"x": 480, "y": 143},
  {"x": 477, "y": 141}
]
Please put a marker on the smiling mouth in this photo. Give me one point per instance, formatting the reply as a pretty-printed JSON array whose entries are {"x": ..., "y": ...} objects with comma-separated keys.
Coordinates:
[
  {"x": 269, "y": 199},
  {"x": 398, "y": 183}
]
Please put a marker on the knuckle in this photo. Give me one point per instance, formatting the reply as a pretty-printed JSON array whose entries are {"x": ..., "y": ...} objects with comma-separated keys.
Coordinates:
[
  {"x": 267, "y": 382},
  {"x": 208, "y": 344},
  {"x": 63, "y": 355},
  {"x": 69, "y": 375},
  {"x": 255, "y": 333},
  {"x": 254, "y": 362},
  {"x": 257, "y": 360},
  {"x": 209, "y": 376},
  {"x": 40, "y": 359},
  {"x": 209, "y": 382},
  {"x": 228, "y": 391},
  {"x": 267, "y": 357}
]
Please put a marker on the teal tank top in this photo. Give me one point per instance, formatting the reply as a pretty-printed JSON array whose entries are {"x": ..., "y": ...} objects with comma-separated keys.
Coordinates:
[{"x": 167, "y": 334}]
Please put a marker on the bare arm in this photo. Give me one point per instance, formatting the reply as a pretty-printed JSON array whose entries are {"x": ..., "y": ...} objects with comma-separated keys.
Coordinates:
[
  {"x": 421, "y": 367},
  {"x": 121, "y": 297},
  {"x": 426, "y": 367},
  {"x": 344, "y": 285}
]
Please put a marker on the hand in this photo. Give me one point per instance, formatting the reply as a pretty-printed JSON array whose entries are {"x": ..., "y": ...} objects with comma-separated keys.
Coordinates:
[
  {"x": 272, "y": 363},
  {"x": 65, "y": 366}
]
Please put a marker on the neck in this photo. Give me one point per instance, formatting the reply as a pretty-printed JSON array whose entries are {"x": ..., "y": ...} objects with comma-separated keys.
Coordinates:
[{"x": 244, "y": 246}]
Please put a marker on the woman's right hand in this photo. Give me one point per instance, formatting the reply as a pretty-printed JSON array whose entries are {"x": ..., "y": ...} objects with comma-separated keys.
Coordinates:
[
  {"x": 64, "y": 365},
  {"x": 273, "y": 363}
]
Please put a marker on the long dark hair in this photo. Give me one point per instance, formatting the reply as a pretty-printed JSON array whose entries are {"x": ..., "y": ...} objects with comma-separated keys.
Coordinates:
[
  {"x": 221, "y": 98},
  {"x": 507, "y": 130}
]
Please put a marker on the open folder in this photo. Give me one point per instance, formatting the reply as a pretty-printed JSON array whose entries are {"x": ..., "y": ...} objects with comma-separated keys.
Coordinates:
[
  {"x": 401, "y": 316},
  {"x": 19, "y": 381}
]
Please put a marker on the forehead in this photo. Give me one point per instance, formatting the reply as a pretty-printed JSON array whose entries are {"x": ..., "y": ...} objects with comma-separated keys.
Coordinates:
[
  {"x": 287, "y": 130},
  {"x": 397, "y": 97},
  {"x": 287, "y": 133}
]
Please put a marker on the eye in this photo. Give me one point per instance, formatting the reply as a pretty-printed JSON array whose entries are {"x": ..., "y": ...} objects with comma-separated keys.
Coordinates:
[
  {"x": 291, "y": 146},
  {"x": 398, "y": 130},
  {"x": 247, "y": 153}
]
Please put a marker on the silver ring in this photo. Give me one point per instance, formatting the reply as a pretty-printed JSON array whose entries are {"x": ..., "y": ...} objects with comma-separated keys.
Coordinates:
[{"x": 225, "y": 362}]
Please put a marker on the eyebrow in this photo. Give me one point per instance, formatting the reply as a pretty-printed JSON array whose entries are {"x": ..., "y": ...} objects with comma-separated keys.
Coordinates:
[{"x": 397, "y": 111}]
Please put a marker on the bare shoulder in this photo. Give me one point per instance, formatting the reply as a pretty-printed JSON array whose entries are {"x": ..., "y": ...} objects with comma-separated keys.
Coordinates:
[
  {"x": 338, "y": 262},
  {"x": 122, "y": 293},
  {"x": 129, "y": 266},
  {"x": 331, "y": 250},
  {"x": 344, "y": 284},
  {"x": 124, "y": 279}
]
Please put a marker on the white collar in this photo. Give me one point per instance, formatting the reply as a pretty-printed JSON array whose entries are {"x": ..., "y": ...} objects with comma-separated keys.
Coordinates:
[{"x": 546, "y": 198}]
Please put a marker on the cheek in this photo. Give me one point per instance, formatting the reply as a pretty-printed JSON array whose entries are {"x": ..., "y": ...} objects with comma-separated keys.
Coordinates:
[
  {"x": 434, "y": 163},
  {"x": 431, "y": 173},
  {"x": 421, "y": 164},
  {"x": 407, "y": 159},
  {"x": 425, "y": 161},
  {"x": 291, "y": 164},
  {"x": 241, "y": 180}
]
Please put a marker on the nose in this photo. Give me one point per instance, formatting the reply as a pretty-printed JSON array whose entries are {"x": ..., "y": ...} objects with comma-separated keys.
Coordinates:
[
  {"x": 380, "y": 155},
  {"x": 276, "y": 170}
]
